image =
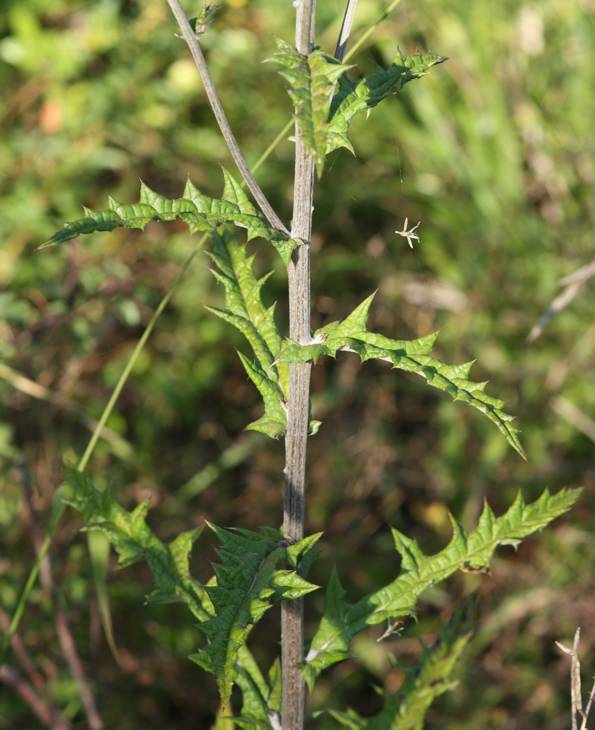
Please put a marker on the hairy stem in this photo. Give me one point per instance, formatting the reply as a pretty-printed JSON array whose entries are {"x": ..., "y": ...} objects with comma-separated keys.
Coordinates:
[
  {"x": 292, "y": 631},
  {"x": 215, "y": 102}
]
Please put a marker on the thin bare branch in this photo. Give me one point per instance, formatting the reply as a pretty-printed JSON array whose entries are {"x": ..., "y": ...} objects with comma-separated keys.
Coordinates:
[
  {"x": 63, "y": 630},
  {"x": 21, "y": 654},
  {"x": 38, "y": 707},
  {"x": 572, "y": 284},
  {"x": 370, "y": 30},
  {"x": 575, "y": 683},
  {"x": 346, "y": 28},
  {"x": 588, "y": 708},
  {"x": 199, "y": 60},
  {"x": 577, "y": 418}
]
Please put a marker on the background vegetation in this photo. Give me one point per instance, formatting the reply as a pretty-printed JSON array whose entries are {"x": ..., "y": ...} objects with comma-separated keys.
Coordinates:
[{"x": 493, "y": 152}]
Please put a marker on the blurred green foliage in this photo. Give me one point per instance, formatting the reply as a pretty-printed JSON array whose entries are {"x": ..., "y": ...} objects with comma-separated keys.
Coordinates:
[{"x": 493, "y": 153}]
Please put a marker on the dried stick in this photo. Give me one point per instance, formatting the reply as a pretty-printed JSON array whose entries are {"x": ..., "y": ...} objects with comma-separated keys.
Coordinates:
[
  {"x": 65, "y": 637},
  {"x": 38, "y": 707},
  {"x": 577, "y": 418},
  {"x": 572, "y": 284},
  {"x": 199, "y": 60},
  {"x": 22, "y": 655},
  {"x": 576, "y": 697}
]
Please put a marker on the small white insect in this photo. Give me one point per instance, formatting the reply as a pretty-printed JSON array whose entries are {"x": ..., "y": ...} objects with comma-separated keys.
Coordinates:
[{"x": 409, "y": 233}]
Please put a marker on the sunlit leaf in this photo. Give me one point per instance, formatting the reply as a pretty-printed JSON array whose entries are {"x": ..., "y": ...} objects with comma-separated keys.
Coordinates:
[{"x": 474, "y": 550}]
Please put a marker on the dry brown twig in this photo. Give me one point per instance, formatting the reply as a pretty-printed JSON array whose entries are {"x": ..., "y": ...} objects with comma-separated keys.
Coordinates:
[
  {"x": 65, "y": 637},
  {"x": 572, "y": 284},
  {"x": 577, "y": 711},
  {"x": 38, "y": 706}
]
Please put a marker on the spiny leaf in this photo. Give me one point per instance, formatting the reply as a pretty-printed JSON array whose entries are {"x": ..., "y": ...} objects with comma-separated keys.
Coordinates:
[
  {"x": 198, "y": 211},
  {"x": 134, "y": 541},
  {"x": 274, "y": 421},
  {"x": 331, "y": 642},
  {"x": 353, "y": 97},
  {"x": 243, "y": 302},
  {"x": 245, "y": 311},
  {"x": 247, "y": 583},
  {"x": 351, "y": 335},
  {"x": 311, "y": 80},
  {"x": 473, "y": 550},
  {"x": 406, "y": 709}
]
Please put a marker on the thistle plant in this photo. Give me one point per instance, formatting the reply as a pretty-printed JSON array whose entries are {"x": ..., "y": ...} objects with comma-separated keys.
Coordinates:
[{"x": 258, "y": 569}]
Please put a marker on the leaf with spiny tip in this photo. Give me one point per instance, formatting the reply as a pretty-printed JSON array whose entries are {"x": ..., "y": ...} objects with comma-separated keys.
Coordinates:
[
  {"x": 248, "y": 581},
  {"x": 473, "y": 550},
  {"x": 353, "y": 97},
  {"x": 198, "y": 211},
  {"x": 245, "y": 310},
  {"x": 311, "y": 79},
  {"x": 274, "y": 421},
  {"x": 133, "y": 540},
  {"x": 351, "y": 335}
]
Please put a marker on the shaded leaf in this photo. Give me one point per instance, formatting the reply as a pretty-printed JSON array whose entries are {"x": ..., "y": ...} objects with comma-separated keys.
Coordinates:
[
  {"x": 261, "y": 698},
  {"x": 134, "y": 541},
  {"x": 430, "y": 678}
]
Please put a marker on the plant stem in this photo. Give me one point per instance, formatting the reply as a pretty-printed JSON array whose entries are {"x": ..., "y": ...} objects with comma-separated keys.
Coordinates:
[
  {"x": 215, "y": 102},
  {"x": 346, "y": 27},
  {"x": 292, "y": 629},
  {"x": 364, "y": 37}
]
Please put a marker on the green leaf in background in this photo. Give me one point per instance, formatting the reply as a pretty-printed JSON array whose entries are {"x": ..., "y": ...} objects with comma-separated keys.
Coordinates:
[
  {"x": 474, "y": 550},
  {"x": 351, "y": 335},
  {"x": 200, "y": 212},
  {"x": 430, "y": 678},
  {"x": 312, "y": 79},
  {"x": 353, "y": 97},
  {"x": 247, "y": 584},
  {"x": 134, "y": 541},
  {"x": 245, "y": 311}
]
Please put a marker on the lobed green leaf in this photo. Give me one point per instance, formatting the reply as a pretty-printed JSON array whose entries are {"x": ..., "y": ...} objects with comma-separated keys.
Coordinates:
[
  {"x": 198, "y": 211},
  {"x": 353, "y": 97},
  {"x": 312, "y": 79},
  {"x": 133, "y": 540},
  {"x": 351, "y": 335},
  {"x": 474, "y": 550},
  {"x": 261, "y": 698},
  {"x": 247, "y": 583},
  {"x": 233, "y": 269}
]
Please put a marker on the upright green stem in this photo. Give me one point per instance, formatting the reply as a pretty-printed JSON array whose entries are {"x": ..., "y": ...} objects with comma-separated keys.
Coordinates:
[{"x": 292, "y": 630}]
